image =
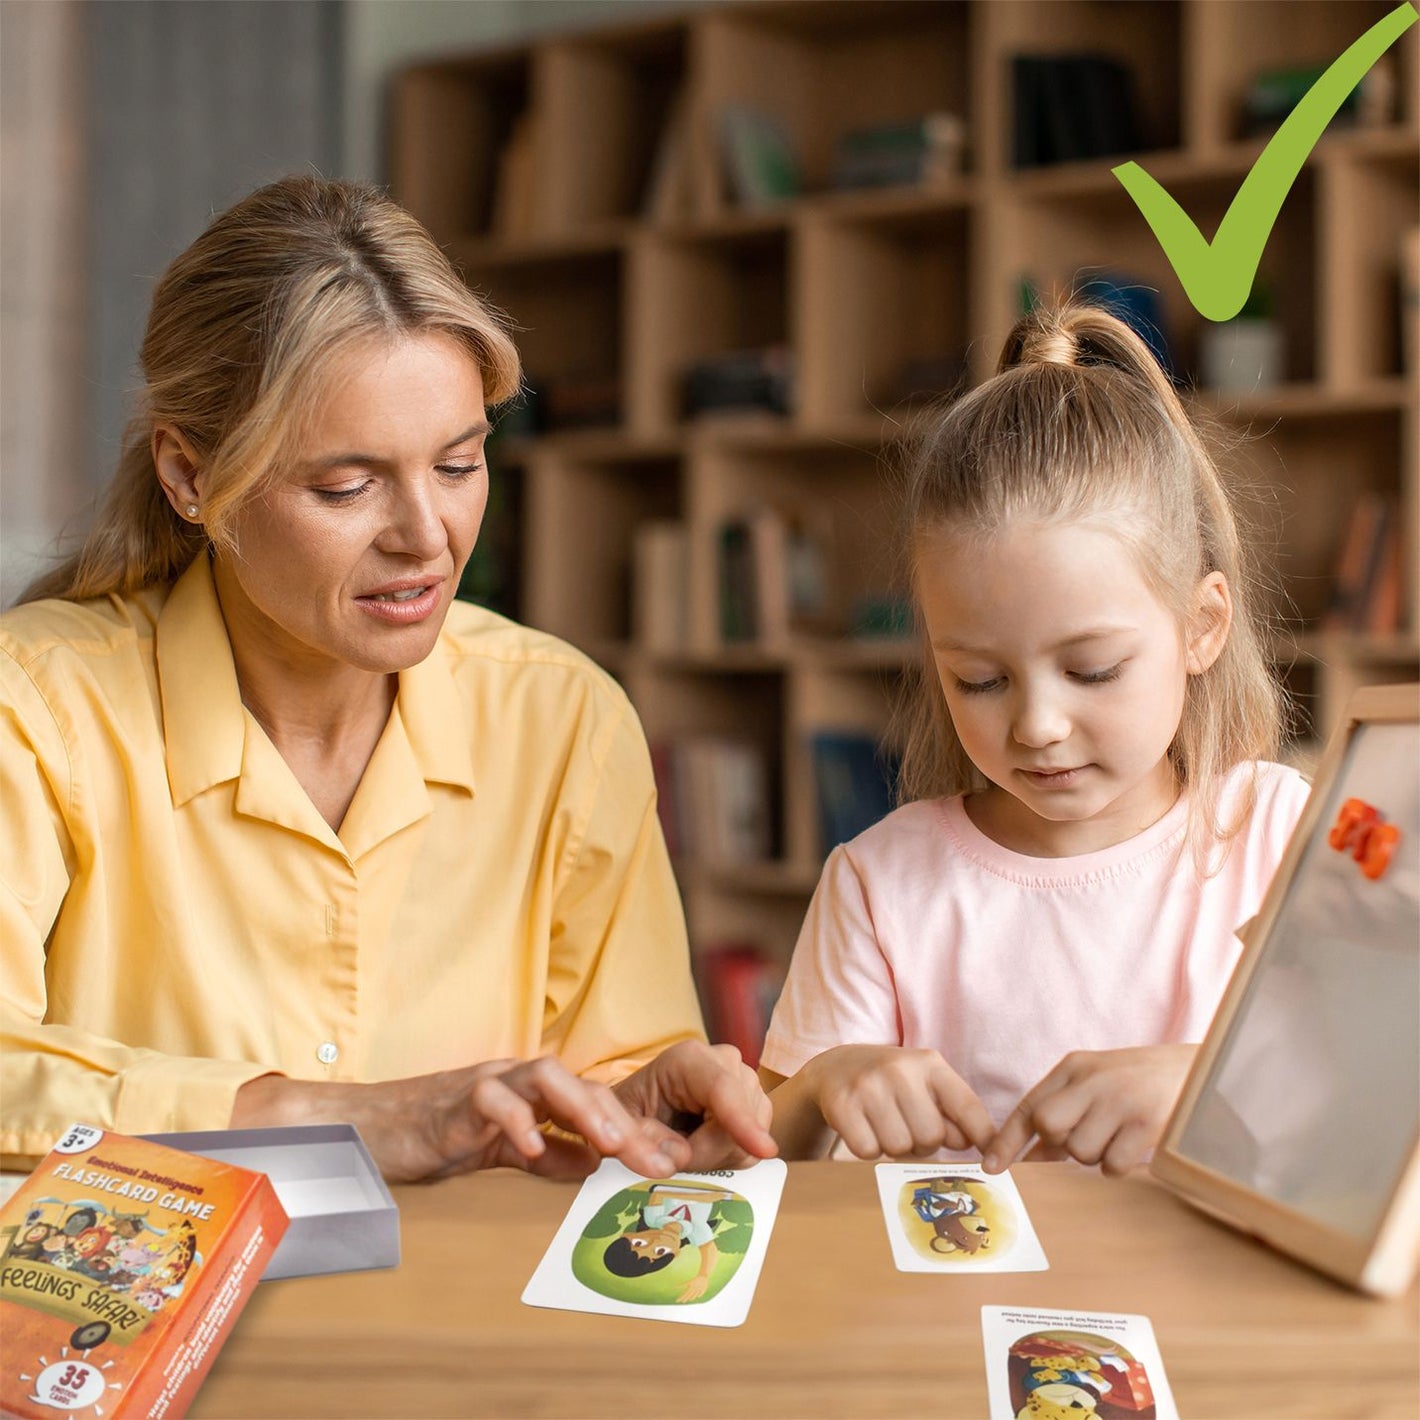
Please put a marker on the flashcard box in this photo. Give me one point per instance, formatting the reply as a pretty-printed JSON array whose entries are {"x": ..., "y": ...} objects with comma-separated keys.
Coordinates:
[
  {"x": 343, "y": 1217},
  {"x": 123, "y": 1266}
]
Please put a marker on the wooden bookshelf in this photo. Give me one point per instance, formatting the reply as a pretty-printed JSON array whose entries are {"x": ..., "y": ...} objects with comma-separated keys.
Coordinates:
[{"x": 858, "y": 284}]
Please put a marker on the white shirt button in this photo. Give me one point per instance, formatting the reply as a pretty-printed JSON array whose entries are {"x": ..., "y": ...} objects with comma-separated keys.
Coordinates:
[{"x": 327, "y": 1053}]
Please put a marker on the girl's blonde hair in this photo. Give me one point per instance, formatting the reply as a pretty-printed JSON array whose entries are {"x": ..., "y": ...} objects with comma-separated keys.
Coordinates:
[
  {"x": 244, "y": 327},
  {"x": 1080, "y": 424}
]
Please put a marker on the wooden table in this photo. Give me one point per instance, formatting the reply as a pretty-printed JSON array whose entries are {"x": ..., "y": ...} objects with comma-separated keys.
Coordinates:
[{"x": 834, "y": 1331}]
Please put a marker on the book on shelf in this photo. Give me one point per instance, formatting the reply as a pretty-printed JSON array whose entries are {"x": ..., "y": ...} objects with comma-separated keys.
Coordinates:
[
  {"x": 1273, "y": 93},
  {"x": 1410, "y": 301},
  {"x": 739, "y": 381},
  {"x": 670, "y": 188},
  {"x": 735, "y": 580},
  {"x": 739, "y": 985},
  {"x": 1071, "y": 108},
  {"x": 772, "y": 576},
  {"x": 712, "y": 794},
  {"x": 759, "y": 157},
  {"x": 855, "y": 780},
  {"x": 924, "y": 152},
  {"x": 769, "y": 570},
  {"x": 660, "y": 586},
  {"x": 1366, "y": 588},
  {"x": 515, "y": 188}
]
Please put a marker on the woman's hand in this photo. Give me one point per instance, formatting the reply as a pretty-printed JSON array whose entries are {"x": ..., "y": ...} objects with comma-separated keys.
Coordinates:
[
  {"x": 484, "y": 1116},
  {"x": 1106, "y": 1107},
  {"x": 886, "y": 1099},
  {"x": 721, "y": 1094}
]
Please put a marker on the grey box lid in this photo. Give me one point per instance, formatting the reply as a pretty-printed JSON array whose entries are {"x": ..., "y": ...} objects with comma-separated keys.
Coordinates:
[{"x": 343, "y": 1218}]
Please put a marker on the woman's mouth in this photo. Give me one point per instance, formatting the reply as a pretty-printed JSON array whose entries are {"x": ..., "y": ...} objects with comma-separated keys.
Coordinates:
[{"x": 402, "y": 606}]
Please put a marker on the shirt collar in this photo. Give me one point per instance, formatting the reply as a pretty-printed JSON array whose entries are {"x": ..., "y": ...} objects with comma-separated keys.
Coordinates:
[
  {"x": 203, "y": 722},
  {"x": 436, "y": 720},
  {"x": 204, "y": 725}
]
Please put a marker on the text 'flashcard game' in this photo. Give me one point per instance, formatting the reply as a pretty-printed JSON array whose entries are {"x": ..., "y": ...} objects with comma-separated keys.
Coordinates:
[
  {"x": 1042, "y": 1364},
  {"x": 686, "y": 1249},
  {"x": 956, "y": 1218},
  {"x": 123, "y": 1267}
]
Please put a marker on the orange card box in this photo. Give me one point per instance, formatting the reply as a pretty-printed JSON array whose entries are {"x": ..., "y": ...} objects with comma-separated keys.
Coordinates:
[{"x": 123, "y": 1266}]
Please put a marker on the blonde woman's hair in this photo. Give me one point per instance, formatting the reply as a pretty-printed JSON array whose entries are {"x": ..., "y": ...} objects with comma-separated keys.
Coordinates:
[
  {"x": 1080, "y": 425},
  {"x": 244, "y": 327}
]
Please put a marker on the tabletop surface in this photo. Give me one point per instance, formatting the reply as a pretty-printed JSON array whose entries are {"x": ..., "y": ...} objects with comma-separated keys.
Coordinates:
[{"x": 834, "y": 1330}]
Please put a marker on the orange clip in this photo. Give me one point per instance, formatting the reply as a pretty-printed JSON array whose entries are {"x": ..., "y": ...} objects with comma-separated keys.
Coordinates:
[
  {"x": 1376, "y": 848},
  {"x": 1353, "y": 818},
  {"x": 1372, "y": 843}
]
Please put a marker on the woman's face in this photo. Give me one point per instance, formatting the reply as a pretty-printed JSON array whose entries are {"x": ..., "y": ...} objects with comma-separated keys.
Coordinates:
[{"x": 353, "y": 555}]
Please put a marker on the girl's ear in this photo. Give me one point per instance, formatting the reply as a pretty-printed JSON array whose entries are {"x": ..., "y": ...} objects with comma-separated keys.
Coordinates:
[
  {"x": 1210, "y": 623},
  {"x": 178, "y": 471}
]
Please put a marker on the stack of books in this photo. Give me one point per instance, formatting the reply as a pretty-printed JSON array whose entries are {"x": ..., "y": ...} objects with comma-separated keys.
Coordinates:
[
  {"x": 739, "y": 985},
  {"x": 856, "y": 780},
  {"x": 926, "y": 151},
  {"x": 1068, "y": 108},
  {"x": 712, "y": 793}
]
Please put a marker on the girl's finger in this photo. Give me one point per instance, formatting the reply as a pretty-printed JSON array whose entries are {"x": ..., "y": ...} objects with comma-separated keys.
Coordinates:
[
  {"x": 927, "y": 1128},
  {"x": 1128, "y": 1149},
  {"x": 857, "y": 1132},
  {"x": 969, "y": 1124},
  {"x": 1092, "y": 1135}
]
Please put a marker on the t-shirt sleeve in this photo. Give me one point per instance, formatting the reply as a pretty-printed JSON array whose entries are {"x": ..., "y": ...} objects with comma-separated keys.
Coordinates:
[
  {"x": 840, "y": 988},
  {"x": 52, "y": 1075},
  {"x": 619, "y": 987}
]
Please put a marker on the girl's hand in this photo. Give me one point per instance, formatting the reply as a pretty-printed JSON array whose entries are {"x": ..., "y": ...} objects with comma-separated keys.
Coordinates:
[
  {"x": 1106, "y": 1107},
  {"x": 484, "y": 1116},
  {"x": 886, "y": 1099}
]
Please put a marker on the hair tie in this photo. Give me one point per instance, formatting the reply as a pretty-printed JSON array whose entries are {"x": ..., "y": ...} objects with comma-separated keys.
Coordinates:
[{"x": 1054, "y": 347}]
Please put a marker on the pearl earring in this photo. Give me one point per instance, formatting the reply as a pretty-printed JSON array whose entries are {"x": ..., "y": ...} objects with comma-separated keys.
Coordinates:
[{"x": 192, "y": 510}]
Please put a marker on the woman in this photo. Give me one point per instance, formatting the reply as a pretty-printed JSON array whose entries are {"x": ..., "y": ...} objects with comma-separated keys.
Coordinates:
[{"x": 290, "y": 836}]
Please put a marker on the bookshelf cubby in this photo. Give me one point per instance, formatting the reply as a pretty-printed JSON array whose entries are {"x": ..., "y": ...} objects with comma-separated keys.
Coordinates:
[{"x": 580, "y": 181}]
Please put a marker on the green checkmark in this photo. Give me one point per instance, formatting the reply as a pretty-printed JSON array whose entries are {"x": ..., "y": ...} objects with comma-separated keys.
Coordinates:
[{"x": 1217, "y": 277}]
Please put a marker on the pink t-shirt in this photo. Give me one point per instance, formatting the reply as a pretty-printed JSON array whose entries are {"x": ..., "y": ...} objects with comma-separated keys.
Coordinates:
[{"x": 923, "y": 932}]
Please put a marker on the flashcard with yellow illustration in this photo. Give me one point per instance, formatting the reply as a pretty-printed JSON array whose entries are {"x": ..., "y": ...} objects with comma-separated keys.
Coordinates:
[
  {"x": 954, "y": 1217},
  {"x": 686, "y": 1249},
  {"x": 1054, "y": 1365}
]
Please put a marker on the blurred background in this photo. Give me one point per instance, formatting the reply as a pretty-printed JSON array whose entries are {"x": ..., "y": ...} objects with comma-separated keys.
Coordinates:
[
  {"x": 746, "y": 245},
  {"x": 126, "y": 125}
]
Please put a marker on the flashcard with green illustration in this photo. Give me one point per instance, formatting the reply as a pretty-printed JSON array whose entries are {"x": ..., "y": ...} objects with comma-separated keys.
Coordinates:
[
  {"x": 954, "y": 1217},
  {"x": 685, "y": 1249},
  {"x": 1056, "y": 1365}
]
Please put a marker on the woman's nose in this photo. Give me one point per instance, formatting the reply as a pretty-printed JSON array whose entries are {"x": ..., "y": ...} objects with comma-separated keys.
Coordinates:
[{"x": 416, "y": 527}]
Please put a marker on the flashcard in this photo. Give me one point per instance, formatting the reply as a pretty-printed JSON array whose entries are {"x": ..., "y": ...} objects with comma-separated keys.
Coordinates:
[
  {"x": 1046, "y": 1365},
  {"x": 956, "y": 1218},
  {"x": 685, "y": 1249}
]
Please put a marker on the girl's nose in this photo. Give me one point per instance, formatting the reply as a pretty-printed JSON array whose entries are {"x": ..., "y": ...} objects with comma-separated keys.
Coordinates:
[{"x": 1039, "y": 721}]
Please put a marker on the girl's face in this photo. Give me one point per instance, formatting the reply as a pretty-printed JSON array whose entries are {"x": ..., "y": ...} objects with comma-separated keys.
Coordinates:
[
  {"x": 1064, "y": 677},
  {"x": 352, "y": 558}
]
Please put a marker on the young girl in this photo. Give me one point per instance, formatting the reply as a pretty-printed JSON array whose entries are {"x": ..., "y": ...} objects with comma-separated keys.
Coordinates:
[{"x": 1031, "y": 946}]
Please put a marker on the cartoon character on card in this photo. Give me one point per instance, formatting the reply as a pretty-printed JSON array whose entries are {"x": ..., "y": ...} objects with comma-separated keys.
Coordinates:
[
  {"x": 953, "y": 1212},
  {"x": 1067, "y": 1375},
  {"x": 671, "y": 1242}
]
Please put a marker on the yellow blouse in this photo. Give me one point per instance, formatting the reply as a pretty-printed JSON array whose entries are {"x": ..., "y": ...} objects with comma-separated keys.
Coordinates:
[{"x": 176, "y": 917}]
